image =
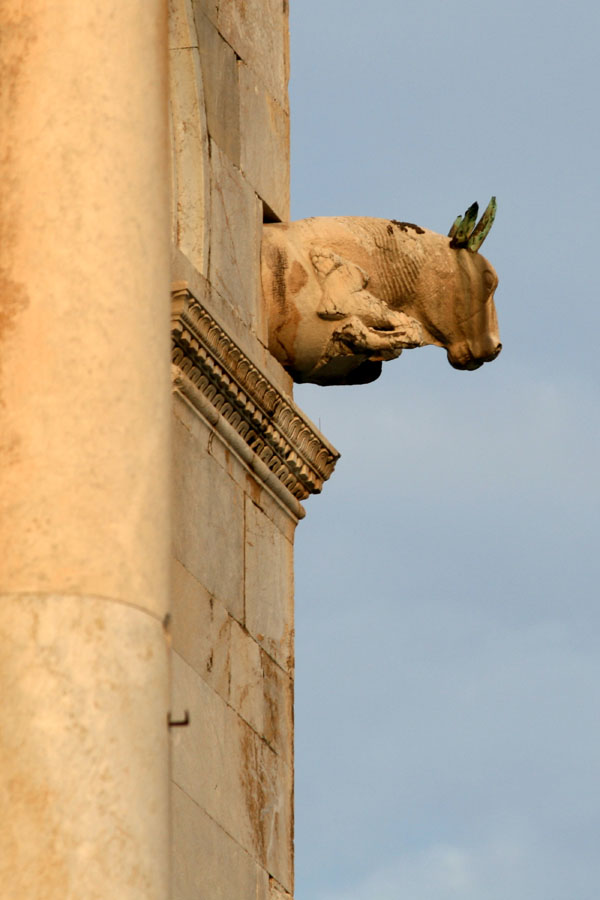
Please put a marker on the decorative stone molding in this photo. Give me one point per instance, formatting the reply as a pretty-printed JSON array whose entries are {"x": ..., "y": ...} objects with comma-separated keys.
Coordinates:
[{"x": 217, "y": 377}]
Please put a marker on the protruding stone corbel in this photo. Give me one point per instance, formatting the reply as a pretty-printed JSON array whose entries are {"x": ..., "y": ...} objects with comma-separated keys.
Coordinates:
[
  {"x": 345, "y": 294},
  {"x": 267, "y": 430}
]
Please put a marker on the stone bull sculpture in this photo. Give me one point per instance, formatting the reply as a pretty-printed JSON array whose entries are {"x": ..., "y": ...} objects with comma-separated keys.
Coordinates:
[{"x": 344, "y": 294}]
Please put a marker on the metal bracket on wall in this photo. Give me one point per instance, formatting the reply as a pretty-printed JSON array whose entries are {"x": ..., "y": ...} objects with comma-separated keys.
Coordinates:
[{"x": 178, "y": 723}]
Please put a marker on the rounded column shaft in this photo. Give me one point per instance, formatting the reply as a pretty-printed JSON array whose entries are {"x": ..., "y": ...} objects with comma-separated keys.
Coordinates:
[{"x": 84, "y": 448}]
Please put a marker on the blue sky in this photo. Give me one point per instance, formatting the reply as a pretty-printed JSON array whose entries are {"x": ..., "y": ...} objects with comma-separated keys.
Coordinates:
[{"x": 448, "y": 640}]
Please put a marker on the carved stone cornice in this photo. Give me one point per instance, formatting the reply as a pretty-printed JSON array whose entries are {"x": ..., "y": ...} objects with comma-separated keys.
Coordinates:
[{"x": 210, "y": 367}]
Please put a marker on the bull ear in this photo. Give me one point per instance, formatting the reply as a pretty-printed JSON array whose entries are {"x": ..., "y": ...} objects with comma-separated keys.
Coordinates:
[
  {"x": 482, "y": 229},
  {"x": 463, "y": 226}
]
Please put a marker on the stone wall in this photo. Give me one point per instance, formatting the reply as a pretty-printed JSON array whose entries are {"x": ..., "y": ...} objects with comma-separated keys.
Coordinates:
[
  {"x": 148, "y": 494},
  {"x": 243, "y": 458}
]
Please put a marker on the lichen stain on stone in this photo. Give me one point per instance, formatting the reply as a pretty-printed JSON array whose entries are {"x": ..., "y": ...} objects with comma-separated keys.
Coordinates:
[
  {"x": 404, "y": 226},
  {"x": 279, "y": 266},
  {"x": 271, "y": 712},
  {"x": 254, "y": 791},
  {"x": 298, "y": 277},
  {"x": 254, "y": 490}
]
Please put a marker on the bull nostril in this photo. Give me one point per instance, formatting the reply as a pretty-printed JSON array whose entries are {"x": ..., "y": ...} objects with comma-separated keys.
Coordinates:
[{"x": 498, "y": 348}]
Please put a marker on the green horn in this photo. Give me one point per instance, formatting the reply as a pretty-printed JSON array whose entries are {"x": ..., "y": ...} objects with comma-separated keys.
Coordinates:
[
  {"x": 463, "y": 227},
  {"x": 455, "y": 226},
  {"x": 483, "y": 228}
]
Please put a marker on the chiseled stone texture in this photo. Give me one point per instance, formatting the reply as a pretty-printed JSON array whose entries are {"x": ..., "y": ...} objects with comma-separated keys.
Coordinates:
[
  {"x": 265, "y": 131},
  {"x": 233, "y": 775},
  {"x": 83, "y": 750},
  {"x": 236, "y": 234}
]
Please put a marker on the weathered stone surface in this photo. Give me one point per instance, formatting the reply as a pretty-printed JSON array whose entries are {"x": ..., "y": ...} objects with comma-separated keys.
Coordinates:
[
  {"x": 235, "y": 513},
  {"x": 278, "y": 708},
  {"x": 230, "y": 660},
  {"x": 269, "y": 591},
  {"x": 277, "y": 892},
  {"x": 258, "y": 32},
  {"x": 256, "y": 422},
  {"x": 236, "y": 223},
  {"x": 208, "y": 7},
  {"x": 83, "y": 749},
  {"x": 218, "y": 648},
  {"x": 221, "y": 763},
  {"x": 281, "y": 518},
  {"x": 229, "y": 319},
  {"x": 85, "y": 385},
  {"x": 191, "y": 170},
  {"x": 207, "y": 864},
  {"x": 198, "y": 623},
  {"x": 84, "y": 450},
  {"x": 345, "y": 294},
  {"x": 221, "y": 87},
  {"x": 265, "y": 131},
  {"x": 208, "y": 529}
]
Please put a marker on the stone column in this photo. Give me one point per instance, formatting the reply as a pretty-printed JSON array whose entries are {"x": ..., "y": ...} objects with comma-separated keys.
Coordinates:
[{"x": 84, "y": 453}]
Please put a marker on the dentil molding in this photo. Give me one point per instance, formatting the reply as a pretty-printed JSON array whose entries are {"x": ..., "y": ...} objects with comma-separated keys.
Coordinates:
[{"x": 217, "y": 377}]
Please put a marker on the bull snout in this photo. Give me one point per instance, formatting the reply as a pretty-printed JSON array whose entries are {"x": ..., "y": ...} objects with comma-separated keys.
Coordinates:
[{"x": 467, "y": 360}]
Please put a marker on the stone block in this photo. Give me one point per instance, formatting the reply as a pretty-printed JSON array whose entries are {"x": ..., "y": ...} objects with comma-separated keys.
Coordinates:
[
  {"x": 265, "y": 139},
  {"x": 191, "y": 170},
  {"x": 208, "y": 512},
  {"x": 221, "y": 763},
  {"x": 243, "y": 664},
  {"x": 231, "y": 662},
  {"x": 207, "y": 864},
  {"x": 236, "y": 234},
  {"x": 218, "y": 648},
  {"x": 198, "y": 625},
  {"x": 269, "y": 584},
  {"x": 221, "y": 88},
  {"x": 258, "y": 32}
]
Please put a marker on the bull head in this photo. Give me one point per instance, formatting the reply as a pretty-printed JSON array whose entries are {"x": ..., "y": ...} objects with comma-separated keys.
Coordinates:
[{"x": 465, "y": 234}]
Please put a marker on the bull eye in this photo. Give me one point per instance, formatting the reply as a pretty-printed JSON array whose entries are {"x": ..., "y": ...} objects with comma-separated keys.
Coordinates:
[{"x": 490, "y": 280}]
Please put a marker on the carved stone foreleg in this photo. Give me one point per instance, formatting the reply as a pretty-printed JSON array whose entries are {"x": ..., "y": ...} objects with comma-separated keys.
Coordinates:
[
  {"x": 344, "y": 293},
  {"x": 354, "y": 337}
]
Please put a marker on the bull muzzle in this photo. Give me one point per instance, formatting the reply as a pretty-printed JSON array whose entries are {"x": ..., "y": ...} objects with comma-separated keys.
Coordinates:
[{"x": 466, "y": 360}]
